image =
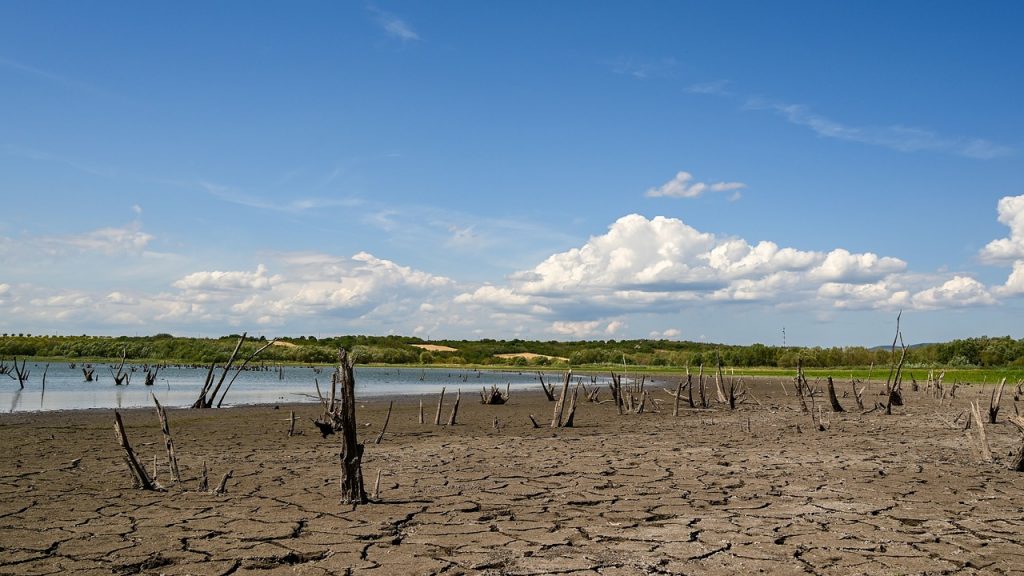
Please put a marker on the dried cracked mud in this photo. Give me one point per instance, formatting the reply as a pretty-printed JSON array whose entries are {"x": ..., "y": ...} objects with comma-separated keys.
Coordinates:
[{"x": 755, "y": 490}]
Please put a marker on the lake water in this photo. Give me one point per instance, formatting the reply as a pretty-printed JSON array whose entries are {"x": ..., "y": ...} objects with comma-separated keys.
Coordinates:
[{"x": 66, "y": 388}]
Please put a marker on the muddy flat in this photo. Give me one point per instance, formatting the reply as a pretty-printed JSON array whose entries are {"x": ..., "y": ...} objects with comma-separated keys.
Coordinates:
[{"x": 759, "y": 489}]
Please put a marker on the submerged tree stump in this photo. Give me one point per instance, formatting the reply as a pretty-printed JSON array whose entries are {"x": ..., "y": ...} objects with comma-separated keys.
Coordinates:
[{"x": 352, "y": 490}]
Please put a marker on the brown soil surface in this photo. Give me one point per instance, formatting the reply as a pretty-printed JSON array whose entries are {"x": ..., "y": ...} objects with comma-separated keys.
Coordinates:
[{"x": 756, "y": 490}]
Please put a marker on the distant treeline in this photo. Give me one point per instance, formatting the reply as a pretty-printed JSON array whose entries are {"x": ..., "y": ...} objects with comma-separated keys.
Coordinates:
[{"x": 982, "y": 351}]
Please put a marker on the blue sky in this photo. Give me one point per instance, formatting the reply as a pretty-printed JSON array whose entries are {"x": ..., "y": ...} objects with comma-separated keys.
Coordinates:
[{"x": 704, "y": 171}]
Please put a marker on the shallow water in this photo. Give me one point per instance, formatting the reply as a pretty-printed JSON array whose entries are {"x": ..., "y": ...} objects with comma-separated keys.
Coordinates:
[{"x": 65, "y": 388}]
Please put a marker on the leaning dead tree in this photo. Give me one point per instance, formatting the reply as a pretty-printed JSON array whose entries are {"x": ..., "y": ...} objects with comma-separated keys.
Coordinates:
[
  {"x": 140, "y": 478},
  {"x": 1018, "y": 462},
  {"x": 172, "y": 459},
  {"x": 455, "y": 407},
  {"x": 352, "y": 490},
  {"x": 548, "y": 392},
  {"x": 209, "y": 392},
  {"x": 719, "y": 391}
]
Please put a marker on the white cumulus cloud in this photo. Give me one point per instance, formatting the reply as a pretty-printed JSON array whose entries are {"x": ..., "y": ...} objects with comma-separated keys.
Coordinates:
[
  {"x": 958, "y": 292},
  {"x": 1011, "y": 214},
  {"x": 684, "y": 186}
]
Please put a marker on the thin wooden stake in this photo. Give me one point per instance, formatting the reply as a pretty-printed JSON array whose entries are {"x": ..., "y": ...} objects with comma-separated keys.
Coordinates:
[
  {"x": 993, "y": 403},
  {"x": 455, "y": 407},
  {"x": 440, "y": 402},
  {"x": 385, "y": 427}
]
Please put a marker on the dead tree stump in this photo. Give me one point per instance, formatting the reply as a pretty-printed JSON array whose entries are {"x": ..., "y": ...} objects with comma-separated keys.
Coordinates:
[
  {"x": 556, "y": 417},
  {"x": 836, "y": 406},
  {"x": 440, "y": 402},
  {"x": 352, "y": 490},
  {"x": 570, "y": 417},
  {"x": 993, "y": 403},
  {"x": 455, "y": 407}
]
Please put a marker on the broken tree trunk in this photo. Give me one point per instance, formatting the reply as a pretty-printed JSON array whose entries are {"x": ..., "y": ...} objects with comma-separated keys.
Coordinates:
[
  {"x": 556, "y": 418},
  {"x": 718, "y": 383},
  {"x": 352, "y": 490},
  {"x": 836, "y": 406},
  {"x": 140, "y": 479},
  {"x": 858, "y": 395},
  {"x": 993, "y": 403},
  {"x": 689, "y": 387},
  {"x": 455, "y": 407},
  {"x": 223, "y": 486},
  {"x": 616, "y": 390},
  {"x": 801, "y": 386},
  {"x": 1018, "y": 462},
  {"x": 571, "y": 413},
  {"x": 986, "y": 452},
  {"x": 165, "y": 429},
  {"x": 679, "y": 392},
  {"x": 494, "y": 395},
  {"x": 440, "y": 402},
  {"x": 705, "y": 402}
]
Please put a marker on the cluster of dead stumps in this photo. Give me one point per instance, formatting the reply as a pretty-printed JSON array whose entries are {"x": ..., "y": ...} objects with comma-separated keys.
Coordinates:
[{"x": 630, "y": 395}]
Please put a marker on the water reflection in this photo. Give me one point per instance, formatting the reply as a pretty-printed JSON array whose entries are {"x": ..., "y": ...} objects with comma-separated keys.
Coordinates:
[{"x": 65, "y": 388}]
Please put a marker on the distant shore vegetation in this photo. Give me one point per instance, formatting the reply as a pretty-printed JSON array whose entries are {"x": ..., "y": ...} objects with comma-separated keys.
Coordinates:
[{"x": 977, "y": 352}]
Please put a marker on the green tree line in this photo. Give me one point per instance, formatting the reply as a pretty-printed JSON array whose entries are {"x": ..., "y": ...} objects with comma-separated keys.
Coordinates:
[{"x": 981, "y": 351}]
